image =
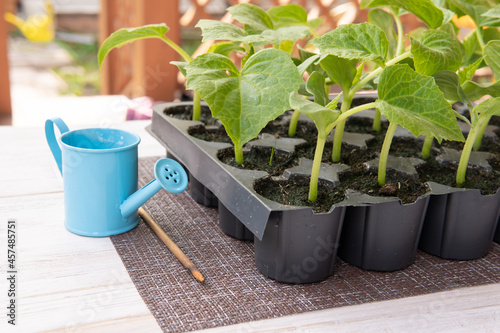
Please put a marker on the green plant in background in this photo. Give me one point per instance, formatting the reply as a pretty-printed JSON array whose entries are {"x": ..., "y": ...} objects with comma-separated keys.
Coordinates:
[
  {"x": 246, "y": 100},
  {"x": 324, "y": 114},
  {"x": 481, "y": 48},
  {"x": 281, "y": 26},
  {"x": 406, "y": 99},
  {"x": 486, "y": 18},
  {"x": 128, "y": 35},
  {"x": 416, "y": 86},
  {"x": 407, "y": 94},
  {"x": 460, "y": 87},
  {"x": 433, "y": 46},
  {"x": 481, "y": 114},
  {"x": 82, "y": 77},
  {"x": 415, "y": 102}
]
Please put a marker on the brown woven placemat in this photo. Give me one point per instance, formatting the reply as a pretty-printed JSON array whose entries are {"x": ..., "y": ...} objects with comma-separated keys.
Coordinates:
[{"x": 235, "y": 291}]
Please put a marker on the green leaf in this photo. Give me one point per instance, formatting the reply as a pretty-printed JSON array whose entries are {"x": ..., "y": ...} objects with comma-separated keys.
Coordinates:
[
  {"x": 216, "y": 30},
  {"x": 435, "y": 51},
  {"x": 359, "y": 73},
  {"x": 288, "y": 15},
  {"x": 449, "y": 83},
  {"x": 451, "y": 29},
  {"x": 476, "y": 91},
  {"x": 494, "y": 12},
  {"x": 385, "y": 21},
  {"x": 366, "y": 4},
  {"x": 447, "y": 13},
  {"x": 292, "y": 33},
  {"x": 181, "y": 65},
  {"x": 415, "y": 102},
  {"x": 340, "y": 70},
  {"x": 492, "y": 57},
  {"x": 488, "y": 108},
  {"x": 316, "y": 86},
  {"x": 475, "y": 9},
  {"x": 314, "y": 23},
  {"x": 225, "y": 48},
  {"x": 364, "y": 42},
  {"x": 490, "y": 34},
  {"x": 245, "y": 101},
  {"x": 425, "y": 10},
  {"x": 251, "y": 16},
  {"x": 309, "y": 62},
  {"x": 286, "y": 45},
  {"x": 127, "y": 35},
  {"x": 303, "y": 90},
  {"x": 471, "y": 46},
  {"x": 323, "y": 117},
  {"x": 467, "y": 73}
]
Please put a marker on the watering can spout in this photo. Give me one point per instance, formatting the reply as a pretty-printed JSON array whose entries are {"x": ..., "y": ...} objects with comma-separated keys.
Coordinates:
[{"x": 169, "y": 175}]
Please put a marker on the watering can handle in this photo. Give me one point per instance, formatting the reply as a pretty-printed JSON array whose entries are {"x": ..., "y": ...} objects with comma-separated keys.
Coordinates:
[{"x": 51, "y": 138}]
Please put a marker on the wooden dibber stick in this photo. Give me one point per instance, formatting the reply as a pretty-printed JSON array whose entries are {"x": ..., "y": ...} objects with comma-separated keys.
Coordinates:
[{"x": 177, "y": 252}]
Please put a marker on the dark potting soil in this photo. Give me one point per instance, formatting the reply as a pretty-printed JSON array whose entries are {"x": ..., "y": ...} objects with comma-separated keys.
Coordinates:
[
  {"x": 489, "y": 145},
  {"x": 209, "y": 133},
  {"x": 185, "y": 112},
  {"x": 260, "y": 158},
  {"x": 407, "y": 188},
  {"x": 495, "y": 163},
  {"x": 476, "y": 178},
  {"x": 364, "y": 125},
  {"x": 495, "y": 121},
  {"x": 295, "y": 191},
  {"x": 305, "y": 130},
  {"x": 351, "y": 155}
]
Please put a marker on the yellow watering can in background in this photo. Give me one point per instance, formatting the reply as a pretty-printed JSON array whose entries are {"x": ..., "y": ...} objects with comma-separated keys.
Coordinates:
[{"x": 37, "y": 28}]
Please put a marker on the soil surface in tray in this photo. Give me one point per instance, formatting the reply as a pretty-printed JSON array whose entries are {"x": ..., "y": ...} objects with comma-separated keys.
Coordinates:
[
  {"x": 476, "y": 177},
  {"x": 214, "y": 134},
  {"x": 488, "y": 145},
  {"x": 266, "y": 159},
  {"x": 185, "y": 112},
  {"x": 294, "y": 191}
]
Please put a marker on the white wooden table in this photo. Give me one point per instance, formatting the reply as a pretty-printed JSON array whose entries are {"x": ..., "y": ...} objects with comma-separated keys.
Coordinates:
[{"x": 72, "y": 283}]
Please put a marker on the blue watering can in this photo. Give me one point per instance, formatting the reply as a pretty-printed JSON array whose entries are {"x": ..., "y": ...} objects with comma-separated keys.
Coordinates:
[{"x": 100, "y": 170}]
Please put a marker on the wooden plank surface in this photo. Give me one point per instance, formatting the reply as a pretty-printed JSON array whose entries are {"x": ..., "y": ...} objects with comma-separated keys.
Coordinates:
[
  {"x": 79, "y": 284},
  {"x": 474, "y": 309},
  {"x": 65, "y": 280}
]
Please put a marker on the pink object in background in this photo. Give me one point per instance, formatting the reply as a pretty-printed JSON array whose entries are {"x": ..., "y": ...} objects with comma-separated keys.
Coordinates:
[{"x": 141, "y": 108}]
